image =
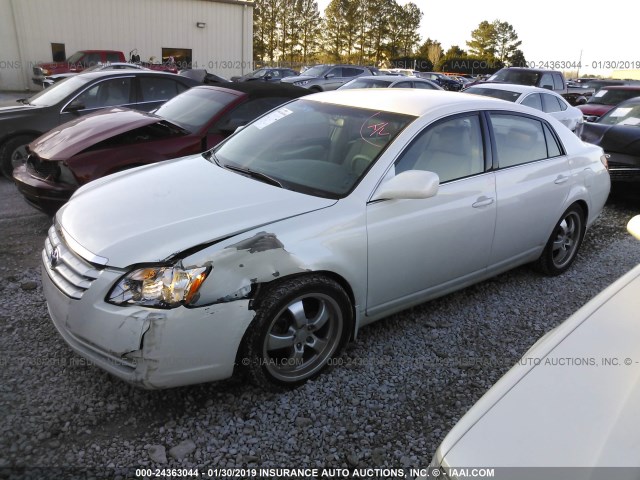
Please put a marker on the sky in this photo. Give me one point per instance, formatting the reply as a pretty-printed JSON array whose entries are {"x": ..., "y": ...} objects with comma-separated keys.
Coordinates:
[{"x": 551, "y": 31}]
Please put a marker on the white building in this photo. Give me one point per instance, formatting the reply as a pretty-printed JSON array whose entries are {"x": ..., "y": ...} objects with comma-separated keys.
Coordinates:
[{"x": 212, "y": 34}]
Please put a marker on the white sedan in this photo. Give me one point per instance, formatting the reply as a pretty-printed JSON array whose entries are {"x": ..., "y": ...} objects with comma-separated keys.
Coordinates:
[
  {"x": 534, "y": 97},
  {"x": 269, "y": 252},
  {"x": 571, "y": 401}
]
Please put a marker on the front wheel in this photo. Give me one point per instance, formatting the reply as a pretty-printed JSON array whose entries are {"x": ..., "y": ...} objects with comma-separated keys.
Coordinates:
[
  {"x": 564, "y": 243},
  {"x": 299, "y": 326},
  {"x": 13, "y": 153}
]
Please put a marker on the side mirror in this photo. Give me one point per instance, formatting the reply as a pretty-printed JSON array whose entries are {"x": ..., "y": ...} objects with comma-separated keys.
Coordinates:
[
  {"x": 75, "y": 106},
  {"x": 548, "y": 87},
  {"x": 590, "y": 118},
  {"x": 330, "y": 75},
  {"x": 412, "y": 184},
  {"x": 268, "y": 77}
]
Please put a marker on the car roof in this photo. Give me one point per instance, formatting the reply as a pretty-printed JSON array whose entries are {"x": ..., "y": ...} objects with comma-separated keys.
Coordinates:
[
  {"x": 126, "y": 73},
  {"x": 409, "y": 101},
  {"x": 631, "y": 101},
  {"x": 391, "y": 78},
  {"x": 512, "y": 87},
  {"x": 621, "y": 87}
]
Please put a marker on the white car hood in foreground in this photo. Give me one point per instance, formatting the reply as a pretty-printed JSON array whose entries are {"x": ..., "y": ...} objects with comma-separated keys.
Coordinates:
[
  {"x": 571, "y": 415},
  {"x": 152, "y": 213}
]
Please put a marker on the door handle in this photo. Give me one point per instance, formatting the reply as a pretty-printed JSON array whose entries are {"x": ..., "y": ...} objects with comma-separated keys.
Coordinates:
[
  {"x": 482, "y": 202},
  {"x": 561, "y": 179}
]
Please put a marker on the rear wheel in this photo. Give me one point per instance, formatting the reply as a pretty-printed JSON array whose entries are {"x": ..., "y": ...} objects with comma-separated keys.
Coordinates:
[
  {"x": 564, "y": 243},
  {"x": 300, "y": 325},
  {"x": 13, "y": 153}
]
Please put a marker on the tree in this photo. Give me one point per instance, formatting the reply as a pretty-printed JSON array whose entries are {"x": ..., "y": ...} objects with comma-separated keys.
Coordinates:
[
  {"x": 483, "y": 41},
  {"x": 434, "y": 53},
  {"x": 454, "y": 51},
  {"x": 506, "y": 40},
  {"x": 517, "y": 59}
]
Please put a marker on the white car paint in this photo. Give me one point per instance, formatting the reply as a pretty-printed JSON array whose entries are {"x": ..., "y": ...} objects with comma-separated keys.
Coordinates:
[
  {"x": 379, "y": 238},
  {"x": 571, "y": 117},
  {"x": 557, "y": 407}
]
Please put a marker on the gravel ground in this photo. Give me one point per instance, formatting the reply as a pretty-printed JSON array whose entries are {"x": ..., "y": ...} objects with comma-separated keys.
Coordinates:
[{"x": 403, "y": 384}]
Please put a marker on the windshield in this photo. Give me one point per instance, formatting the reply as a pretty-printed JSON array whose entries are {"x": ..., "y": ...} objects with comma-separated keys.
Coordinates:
[
  {"x": 366, "y": 84},
  {"x": 313, "y": 147},
  {"x": 494, "y": 92},
  {"x": 75, "y": 57},
  {"x": 58, "y": 91},
  {"x": 194, "y": 108},
  {"x": 317, "y": 71},
  {"x": 518, "y": 77},
  {"x": 256, "y": 73},
  {"x": 612, "y": 97},
  {"x": 623, "y": 115}
]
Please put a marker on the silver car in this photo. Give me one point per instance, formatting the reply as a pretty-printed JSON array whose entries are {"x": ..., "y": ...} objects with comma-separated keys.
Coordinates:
[{"x": 269, "y": 252}]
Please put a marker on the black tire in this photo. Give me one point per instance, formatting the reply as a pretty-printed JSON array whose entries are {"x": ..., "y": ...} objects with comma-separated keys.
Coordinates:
[
  {"x": 564, "y": 242},
  {"x": 12, "y": 153},
  {"x": 300, "y": 325},
  {"x": 315, "y": 89}
]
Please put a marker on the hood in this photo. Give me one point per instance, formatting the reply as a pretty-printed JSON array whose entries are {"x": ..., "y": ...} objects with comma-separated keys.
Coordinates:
[
  {"x": 297, "y": 78},
  {"x": 17, "y": 110},
  {"x": 151, "y": 213},
  {"x": 613, "y": 138},
  {"x": 594, "y": 109},
  {"x": 57, "y": 67},
  {"x": 571, "y": 401},
  {"x": 70, "y": 138}
]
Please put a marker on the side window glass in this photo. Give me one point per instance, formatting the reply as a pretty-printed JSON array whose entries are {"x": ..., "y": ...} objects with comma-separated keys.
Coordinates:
[
  {"x": 157, "y": 89},
  {"x": 557, "y": 81},
  {"x": 351, "y": 72},
  {"x": 551, "y": 103},
  {"x": 546, "y": 81},
  {"x": 113, "y": 57},
  {"x": 423, "y": 85},
  {"x": 451, "y": 148},
  {"x": 518, "y": 139},
  {"x": 402, "y": 85},
  {"x": 553, "y": 149},
  {"x": 109, "y": 93},
  {"x": 91, "y": 59},
  {"x": 336, "y": 72},
  {"x": 533, "y": 101}
]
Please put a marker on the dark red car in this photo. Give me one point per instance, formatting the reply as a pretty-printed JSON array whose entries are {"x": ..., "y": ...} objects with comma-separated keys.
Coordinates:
[
  {"x": 109, "y": 141},
  {"x": 606, "y": 98}
]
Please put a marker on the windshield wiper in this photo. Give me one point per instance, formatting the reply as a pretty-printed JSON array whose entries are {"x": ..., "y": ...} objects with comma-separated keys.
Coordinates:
[
  {"x": 24, "y": 101},
  {"x": 253, "y": 174}
]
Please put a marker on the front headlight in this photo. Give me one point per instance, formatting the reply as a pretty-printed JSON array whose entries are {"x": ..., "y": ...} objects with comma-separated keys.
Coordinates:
[
  {"x": 45, "y": 71},
  {"x": 301, "y": 83},
  {"x": 158, "y": 287}
]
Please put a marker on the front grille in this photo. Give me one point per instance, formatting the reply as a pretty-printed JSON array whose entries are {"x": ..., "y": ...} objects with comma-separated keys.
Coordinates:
[
  {"x": 47, "y": 170},
  {"x": 70, "y": 273},
  {"x": 619, "y": 170}
]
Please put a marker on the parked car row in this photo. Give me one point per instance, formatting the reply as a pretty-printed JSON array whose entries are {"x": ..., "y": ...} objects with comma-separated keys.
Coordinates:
[
  {"x": 77, "y": 96},
  {"x": 74, "y": 153}
]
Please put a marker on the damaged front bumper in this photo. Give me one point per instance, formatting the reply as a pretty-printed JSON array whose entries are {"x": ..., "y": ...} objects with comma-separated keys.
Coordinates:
[{"x": 148, "y": 347}]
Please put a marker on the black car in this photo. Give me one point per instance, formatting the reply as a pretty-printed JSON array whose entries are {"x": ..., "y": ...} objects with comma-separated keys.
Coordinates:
[
  {"x": 266, "y": 74},
  {"x": 618, "y": 133},
  {"x": 441, "y": 79},
  {"x": 77, "y": 96}
]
